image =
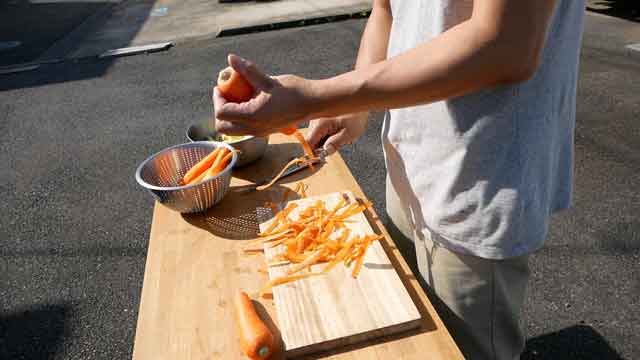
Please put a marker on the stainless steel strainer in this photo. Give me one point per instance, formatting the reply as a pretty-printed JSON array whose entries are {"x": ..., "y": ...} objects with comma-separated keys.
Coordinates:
[{"x": 161, "y": 172}]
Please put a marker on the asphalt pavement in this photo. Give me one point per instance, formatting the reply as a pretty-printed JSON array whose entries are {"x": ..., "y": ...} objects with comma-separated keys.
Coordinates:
[
  {"x": 34, "y": 26},
  {"x": 75, "y": 224}
]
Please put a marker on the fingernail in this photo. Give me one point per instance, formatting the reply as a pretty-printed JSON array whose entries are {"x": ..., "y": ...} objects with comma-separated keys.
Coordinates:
[{"x": 330, "y": 148}]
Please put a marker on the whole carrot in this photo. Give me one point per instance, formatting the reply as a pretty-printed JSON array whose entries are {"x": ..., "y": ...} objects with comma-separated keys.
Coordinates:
[
  {"x": 233, "y": 86},
  {"x": 237, "y": 89},
  {"x": 200, "y": 167},
  {"x": 218, "y": 164},
  {"x": 215, "y": 170},
  {"x": 256, "y": 340}
]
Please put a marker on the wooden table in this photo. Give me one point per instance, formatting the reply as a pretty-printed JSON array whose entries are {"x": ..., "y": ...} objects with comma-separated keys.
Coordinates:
[{"x": 194, "y": 267}]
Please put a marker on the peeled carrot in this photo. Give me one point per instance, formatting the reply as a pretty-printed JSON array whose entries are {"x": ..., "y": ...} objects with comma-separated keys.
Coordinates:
[
  {"x": 233, "y": 86},
  {"x": 217, "y": 168},
  {"x": 202, "y": 165},
  {"x": 200, "y": 177},
  {"x": 256, "y": 340},
  {"x": 217, "y": 161}
]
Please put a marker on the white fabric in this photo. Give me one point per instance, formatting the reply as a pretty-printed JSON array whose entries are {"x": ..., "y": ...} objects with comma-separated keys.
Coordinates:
[{"x": 483, "y": 172}]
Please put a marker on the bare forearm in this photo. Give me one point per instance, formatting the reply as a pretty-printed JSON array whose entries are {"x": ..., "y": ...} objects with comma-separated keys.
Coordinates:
[{"x": 375, "y": 38}]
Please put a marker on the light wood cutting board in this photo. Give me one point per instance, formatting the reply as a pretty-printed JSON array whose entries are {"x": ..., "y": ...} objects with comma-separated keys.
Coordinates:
[{"x": 324, "y": 312}]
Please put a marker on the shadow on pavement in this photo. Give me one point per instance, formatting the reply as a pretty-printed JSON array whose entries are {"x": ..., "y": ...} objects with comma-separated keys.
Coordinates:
[
  {"x": 35, "y": 333},
  {"x": 626, "y": 9},
  {"x": 37, "y": 25},
  {"x": 575, "y": 342},
  {"x": 63, "y": 25}
]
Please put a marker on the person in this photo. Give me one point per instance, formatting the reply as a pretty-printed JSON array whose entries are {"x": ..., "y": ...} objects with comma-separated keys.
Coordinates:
[{"x": 477, "y": 140}]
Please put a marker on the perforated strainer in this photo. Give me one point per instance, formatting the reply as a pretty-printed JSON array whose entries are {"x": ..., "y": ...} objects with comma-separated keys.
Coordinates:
[{"x": 160, "y": 174}]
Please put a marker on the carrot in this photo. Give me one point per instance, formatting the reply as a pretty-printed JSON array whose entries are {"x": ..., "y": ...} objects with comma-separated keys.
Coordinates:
[
  {"x": 277, "y": 177},
  {"x": 200, "y": 167},
  {"x": 256, "y": 340},
  {"x": 305, "y": 145},
  {"x": 200, "y": 178},
  {"x": 217, "y": 168},
  {"x": 233, "y": 86},
  {"x": 315, "y": 235},
  {"x": 216, "y": 162}
]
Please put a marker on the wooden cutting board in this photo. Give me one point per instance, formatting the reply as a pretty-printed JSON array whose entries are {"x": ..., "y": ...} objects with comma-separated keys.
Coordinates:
[{"x": 324, "y": 312}]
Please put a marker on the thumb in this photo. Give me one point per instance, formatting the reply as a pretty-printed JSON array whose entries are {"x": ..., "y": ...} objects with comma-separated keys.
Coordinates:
[
  {"x": 249, "y": 71},
  {"x": 336, "y": 141}
]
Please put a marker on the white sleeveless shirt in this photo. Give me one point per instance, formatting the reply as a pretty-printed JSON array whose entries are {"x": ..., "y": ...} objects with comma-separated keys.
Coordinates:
[{"x": 483, "y": 172}]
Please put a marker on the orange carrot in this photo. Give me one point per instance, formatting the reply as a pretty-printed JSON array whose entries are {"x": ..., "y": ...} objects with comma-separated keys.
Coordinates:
[
  {"x": 200, "y": 167},
  {"x": 217, "y": 168},
  {"x": 305, "y": 145},
  {"x": 256, "y": 340},
  {"x": 217, "y": 161},
  {"x": 233, "y": 86},
  {"x": 200, "y": 178},
  {"x": 277, "y": 177}
]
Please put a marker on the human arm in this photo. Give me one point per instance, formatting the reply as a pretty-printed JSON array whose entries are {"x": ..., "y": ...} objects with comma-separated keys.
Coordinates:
[
  {"x": 341, "y": 130},
  {"x": 500, "y": 44}
]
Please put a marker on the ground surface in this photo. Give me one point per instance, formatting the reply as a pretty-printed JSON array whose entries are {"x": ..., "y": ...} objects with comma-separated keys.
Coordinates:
[{"x": 75, "y": 224}]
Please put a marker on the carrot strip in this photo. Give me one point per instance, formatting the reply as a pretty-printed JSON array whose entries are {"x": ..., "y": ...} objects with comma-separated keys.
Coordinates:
[
  {"x": 340, "y": 255},
  {"x": 284, "y": 280},
  {"x": 277, "y": 177},
  {"x": 305, "y": 145},
  {"x": 358, "y": 266},
  {"x": 278, "y": 263},
  {"x": 310, "y": 260}
]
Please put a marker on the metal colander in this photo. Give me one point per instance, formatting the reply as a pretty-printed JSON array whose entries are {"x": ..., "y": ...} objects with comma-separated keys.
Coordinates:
[{"x": 160, "y": 174}]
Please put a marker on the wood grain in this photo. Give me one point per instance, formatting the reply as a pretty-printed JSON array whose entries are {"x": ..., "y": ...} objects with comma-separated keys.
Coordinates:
[
  {"x": 194, "y": 267},
  {"x": 332, "y": 310}
]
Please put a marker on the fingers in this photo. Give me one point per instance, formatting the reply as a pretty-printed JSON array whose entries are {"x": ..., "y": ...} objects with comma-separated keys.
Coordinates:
[
  {"x": 218, "y": 100},
  {"x": 231, "y": 128},
  {"x": 249, "y": 71},
  {"x": 318, "y": 129},
  {"x": 228, "y": 111},
  {"x": 336, "y": 141}
]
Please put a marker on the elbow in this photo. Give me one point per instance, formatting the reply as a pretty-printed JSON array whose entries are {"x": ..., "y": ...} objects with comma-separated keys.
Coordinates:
[
  {"x": 511, "y": 60},
  {"x": 522, "y": 71}
]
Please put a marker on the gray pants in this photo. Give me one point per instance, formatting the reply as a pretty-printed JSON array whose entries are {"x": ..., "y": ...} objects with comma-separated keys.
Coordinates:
[{"x": 484, "y": 296}]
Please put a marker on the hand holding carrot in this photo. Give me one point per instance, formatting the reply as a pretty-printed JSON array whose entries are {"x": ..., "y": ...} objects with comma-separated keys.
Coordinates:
[{"x": 277, "y": 103}]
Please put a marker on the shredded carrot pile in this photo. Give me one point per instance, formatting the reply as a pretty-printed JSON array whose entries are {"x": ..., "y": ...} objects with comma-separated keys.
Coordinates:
[{"x": 318, "y": 235}]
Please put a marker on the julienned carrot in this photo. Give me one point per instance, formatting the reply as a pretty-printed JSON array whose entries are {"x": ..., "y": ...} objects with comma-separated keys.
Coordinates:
[
  {"x": 200, "y": 167},
  {"x": 315, "y": 235},
  {"x": 305, "y": 145},
  {"x": 256, "y": 340},
  {"x": 283, "y": 280}
]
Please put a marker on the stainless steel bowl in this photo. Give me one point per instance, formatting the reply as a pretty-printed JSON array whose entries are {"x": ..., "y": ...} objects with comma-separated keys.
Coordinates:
[
  {"x": 161, "y": 172},
  {"x": 251, "y": 148}
]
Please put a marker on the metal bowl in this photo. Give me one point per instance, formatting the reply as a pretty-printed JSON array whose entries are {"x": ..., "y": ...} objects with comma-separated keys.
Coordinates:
[
  {"x": 251, "y": 148},
  {"x": 161, "y": 172}
]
